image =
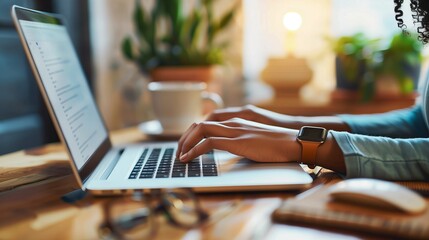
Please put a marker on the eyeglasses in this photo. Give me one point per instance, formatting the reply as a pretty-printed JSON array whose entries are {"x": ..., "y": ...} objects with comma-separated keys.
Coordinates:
[{"x": 133, "y": 216}]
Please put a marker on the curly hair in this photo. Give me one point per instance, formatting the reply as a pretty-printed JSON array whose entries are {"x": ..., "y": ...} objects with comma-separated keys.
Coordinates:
[{"x": 420, "y": 13}]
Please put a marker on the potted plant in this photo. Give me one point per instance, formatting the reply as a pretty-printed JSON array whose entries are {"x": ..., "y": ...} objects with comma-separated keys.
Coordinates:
[
  {"x": 398, "y": 68},
  {"x": 353, "y": 56},
  {"x": 170, "y": 45}
]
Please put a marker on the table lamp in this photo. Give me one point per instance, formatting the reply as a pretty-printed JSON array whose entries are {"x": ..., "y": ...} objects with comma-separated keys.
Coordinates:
[
  {"x": 286, "y": 75},
  {"x": 292, "y": 21}
]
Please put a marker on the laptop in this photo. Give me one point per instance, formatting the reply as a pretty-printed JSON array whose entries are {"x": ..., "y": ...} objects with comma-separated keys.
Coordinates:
[{"x": 103, "y": 169}]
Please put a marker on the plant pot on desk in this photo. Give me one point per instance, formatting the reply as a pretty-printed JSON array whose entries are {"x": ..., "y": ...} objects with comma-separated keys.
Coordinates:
[
  {"x": 349, "y": 73},
  {"x": 389, "y": 87},
  {"x": 352, "y": 79},
  {"x": 205, "y": 74},
  {"x": 182, "y": 74}
]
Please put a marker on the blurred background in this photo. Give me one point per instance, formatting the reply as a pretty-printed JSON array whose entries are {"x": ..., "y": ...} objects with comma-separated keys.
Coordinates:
[{"x": 305, "y": 57}]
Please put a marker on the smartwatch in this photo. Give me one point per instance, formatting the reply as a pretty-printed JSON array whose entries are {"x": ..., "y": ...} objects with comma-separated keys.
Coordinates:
[{"x": 310, "y": 139}]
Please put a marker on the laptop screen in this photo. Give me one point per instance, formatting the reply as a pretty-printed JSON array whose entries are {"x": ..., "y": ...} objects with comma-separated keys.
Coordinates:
[{"x": 66, "y": 87}]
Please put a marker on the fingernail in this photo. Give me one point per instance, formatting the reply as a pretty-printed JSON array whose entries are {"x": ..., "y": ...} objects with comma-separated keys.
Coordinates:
[{"x": 183, "y": 157}]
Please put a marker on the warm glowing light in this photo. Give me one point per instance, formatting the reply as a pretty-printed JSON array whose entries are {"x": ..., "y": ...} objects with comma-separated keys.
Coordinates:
[{"x": 292, "y": 21}]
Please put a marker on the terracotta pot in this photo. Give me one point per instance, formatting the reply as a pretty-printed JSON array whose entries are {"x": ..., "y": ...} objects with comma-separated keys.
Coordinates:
[
  {"x": 286, "y": 75},
  {"x": 182, "y": 74}
]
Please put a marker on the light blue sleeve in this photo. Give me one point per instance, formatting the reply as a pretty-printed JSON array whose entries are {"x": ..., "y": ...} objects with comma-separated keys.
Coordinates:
[
  {"x": 405, "y": 123},
  {"x": 383, "y": 157}
]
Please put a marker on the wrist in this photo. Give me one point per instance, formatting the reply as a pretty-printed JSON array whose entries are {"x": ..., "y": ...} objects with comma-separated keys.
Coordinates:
[
  {"x": 295, "y": 148},
  {"x": 330, "y": 156},
  {"x": 310, "y": 139},
  {"x": 293, "y": 122}
]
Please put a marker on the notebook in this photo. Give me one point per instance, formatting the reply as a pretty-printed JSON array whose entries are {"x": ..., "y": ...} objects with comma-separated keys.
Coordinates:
[
  {"x": 315, "y": 208},
  {"x": 103, "y": 169}
]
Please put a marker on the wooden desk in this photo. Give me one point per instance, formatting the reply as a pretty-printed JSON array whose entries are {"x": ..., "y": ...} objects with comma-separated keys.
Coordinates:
[
  {"x": 297, "y": 107},
  {"x": 32, "y": 183}
]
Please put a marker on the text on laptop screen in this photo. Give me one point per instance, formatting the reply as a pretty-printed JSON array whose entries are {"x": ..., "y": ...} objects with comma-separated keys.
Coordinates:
[{"x": 66, "y": 87}]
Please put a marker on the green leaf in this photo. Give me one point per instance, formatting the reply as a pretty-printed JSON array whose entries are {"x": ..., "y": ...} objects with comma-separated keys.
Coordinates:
[
  {"x": 195, "y": 29},
  {"x": 207, "y": 2},
  {"x": 127, "y": 48},
  {"x": 215, "y": 56},
  {"x": 175, "y": 13},
  {"x": 157, "y": 12},
  {"x": 139, "y": 19},
  {"x": 208, "y": 5},
  {"x": 226, "y": 19},
  {"x": 185, "y": 30},
  {"x": 166, "y": 39},
  {"x": 407, "y": 85},
  {"x": 211, "y": 31},
  {"x": 161, "y": 8}
]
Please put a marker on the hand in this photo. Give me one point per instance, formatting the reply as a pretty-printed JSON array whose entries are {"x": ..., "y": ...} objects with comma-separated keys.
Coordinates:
[{"x": 256, "y": 141}]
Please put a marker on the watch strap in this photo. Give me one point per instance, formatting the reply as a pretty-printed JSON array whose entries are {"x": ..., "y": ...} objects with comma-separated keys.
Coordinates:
[{"x": 309, "y": 153}]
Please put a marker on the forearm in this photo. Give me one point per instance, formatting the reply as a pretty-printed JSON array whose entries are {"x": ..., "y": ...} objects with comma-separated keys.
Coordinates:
[
  {"x": 405, "y": 123},
  {"x": 385, "y": 158}
]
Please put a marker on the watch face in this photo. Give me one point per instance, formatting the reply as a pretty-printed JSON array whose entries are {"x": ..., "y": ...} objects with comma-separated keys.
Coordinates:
[{"x": 314, "y": 134}]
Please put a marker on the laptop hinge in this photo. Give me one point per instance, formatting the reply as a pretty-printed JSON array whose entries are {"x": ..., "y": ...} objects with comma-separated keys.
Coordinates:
[{"x": 112, "y": 165}]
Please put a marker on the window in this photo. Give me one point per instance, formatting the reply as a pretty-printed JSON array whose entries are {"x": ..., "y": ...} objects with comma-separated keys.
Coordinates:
[
  {"x": 265, "y": 36},
  {"x": 24, "y": 122}
]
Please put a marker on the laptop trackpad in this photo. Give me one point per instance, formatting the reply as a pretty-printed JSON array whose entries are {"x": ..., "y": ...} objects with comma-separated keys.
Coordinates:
[{"x": 238, "y": 164}]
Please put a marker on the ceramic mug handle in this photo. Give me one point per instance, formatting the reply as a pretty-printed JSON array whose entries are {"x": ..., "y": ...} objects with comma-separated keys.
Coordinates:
[{"x": 211, "y": 101}]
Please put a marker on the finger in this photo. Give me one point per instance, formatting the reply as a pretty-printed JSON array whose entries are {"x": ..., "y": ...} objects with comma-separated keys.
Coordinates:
[
  {"x": 184, "y": 135},
  {"x": 207, "y": 129},
  {"x": 205, "y": 146}
]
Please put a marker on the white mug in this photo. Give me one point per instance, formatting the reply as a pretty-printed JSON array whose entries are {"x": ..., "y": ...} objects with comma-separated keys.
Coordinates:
[{"x": 179, "y": 104}]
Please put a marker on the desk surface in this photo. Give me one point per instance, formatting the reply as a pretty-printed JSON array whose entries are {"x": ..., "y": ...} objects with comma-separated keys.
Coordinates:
[
  {"x": 32, "y": 183},
  {"x": 297, "y": 107}
]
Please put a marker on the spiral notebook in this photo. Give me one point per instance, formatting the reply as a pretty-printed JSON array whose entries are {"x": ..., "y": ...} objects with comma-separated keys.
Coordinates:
[{"x": 314, "y": 207}]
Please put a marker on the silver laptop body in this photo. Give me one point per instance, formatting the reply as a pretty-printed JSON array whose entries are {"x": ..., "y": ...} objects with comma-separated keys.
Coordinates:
[{"x": 103, "y": 169}]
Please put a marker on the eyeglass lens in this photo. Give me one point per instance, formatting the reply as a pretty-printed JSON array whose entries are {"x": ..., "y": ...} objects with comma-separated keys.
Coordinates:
[{"x": 132, "y": 217}]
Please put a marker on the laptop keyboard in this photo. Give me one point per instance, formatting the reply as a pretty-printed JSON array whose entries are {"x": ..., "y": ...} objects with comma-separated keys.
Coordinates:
[{"x": 166, "y": 166}]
